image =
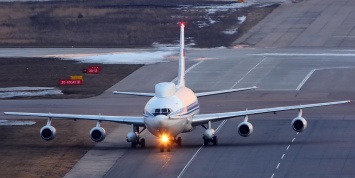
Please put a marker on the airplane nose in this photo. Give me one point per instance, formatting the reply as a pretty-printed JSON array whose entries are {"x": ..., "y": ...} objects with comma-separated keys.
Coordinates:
[{"x": 161, "y": 121}]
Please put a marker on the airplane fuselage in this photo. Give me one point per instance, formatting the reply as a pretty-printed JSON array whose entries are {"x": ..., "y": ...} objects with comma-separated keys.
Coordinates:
[{"x": 171, "y": 110}]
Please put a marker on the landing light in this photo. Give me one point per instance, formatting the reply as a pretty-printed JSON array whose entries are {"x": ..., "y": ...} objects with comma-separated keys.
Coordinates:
[{"x": 164, "y": 138}]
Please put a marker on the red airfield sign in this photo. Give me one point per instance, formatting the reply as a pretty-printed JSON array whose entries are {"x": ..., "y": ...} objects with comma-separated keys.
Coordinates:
[{"x": 70, "y": 82}]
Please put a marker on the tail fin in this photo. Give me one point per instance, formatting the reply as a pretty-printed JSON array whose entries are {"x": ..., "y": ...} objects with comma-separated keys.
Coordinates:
[{"x": 181, "y": 75}]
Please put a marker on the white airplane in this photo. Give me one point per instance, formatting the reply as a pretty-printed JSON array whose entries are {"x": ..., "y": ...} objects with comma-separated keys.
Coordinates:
[{"x": 172, "y": 110}]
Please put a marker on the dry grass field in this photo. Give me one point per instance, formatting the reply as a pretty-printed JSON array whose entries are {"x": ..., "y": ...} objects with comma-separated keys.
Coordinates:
[
  {"x": 23, "y": 153},
  {"x": 46, "y": 72},
  {"x": 121, "y": 23}
]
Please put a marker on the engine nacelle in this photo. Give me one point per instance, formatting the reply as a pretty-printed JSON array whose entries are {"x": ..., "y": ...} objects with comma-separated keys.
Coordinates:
[
  {"x": 245, "y": 129},
  {"x": 299, "y": 124},
  {"x": 48, "y": 132},
  {"x": 97, "y": 134},
  {"x": 132, "y": 136},
  {"x": 208, "y": 134}
]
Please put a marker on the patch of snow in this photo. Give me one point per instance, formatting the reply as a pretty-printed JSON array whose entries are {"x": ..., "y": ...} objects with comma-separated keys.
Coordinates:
[
  {"x": 268, "y": 4},
  {"x": 11, "y": 123},
  {"x": 222, "y": 8},
  {"x": 231, "y": 31},
  {"x": 201, "y": 24},
  {"x": 12, "y": 92},
  {"x": 211, "y": 21},
  {"x": 241, "y": 19},
  {"x": 147, "y": 57},
  {"x": 175, "y": 46},
  {"x": 25, "y": 89}
]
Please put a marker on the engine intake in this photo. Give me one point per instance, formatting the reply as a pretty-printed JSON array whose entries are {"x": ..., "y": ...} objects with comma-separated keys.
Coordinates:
[
  {"x": 48, "y": 132},
  {"x": 299, "y": 124},
  {"x": 245, "y": 129},
  {"x": 97, "y": 134}
]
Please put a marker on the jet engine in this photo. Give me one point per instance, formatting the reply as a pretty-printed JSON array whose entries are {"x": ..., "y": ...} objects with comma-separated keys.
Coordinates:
[
  {"x": 245, "y": 129},
  {"x": 208, "y": 134},
  {"x": 48, "y": 132},
  {"x": 97, "y": 134},
  {"x": 132, "y": 136},
  {"x": 299, "y": 124}
]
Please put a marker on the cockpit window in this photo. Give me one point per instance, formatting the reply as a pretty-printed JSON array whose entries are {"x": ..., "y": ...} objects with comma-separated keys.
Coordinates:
[{"x": 162, "y": 111}]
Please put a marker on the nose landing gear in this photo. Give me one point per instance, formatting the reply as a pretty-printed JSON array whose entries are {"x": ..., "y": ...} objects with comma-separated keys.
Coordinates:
[{"x": 166, "y": 143}]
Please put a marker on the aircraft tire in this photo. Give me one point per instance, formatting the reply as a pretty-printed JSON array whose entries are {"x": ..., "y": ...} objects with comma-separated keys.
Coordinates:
[
  {"x": 142, "y": 143},
  {"x": 215, "y": 140},
  {"x": 133, "y": 144},
  {"x": 205, "y": 142},
  {"x": 179, "y": 141}
]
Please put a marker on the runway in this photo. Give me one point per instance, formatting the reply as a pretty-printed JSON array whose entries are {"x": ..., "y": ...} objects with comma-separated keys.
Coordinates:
[
  {"x": 260, "y": 154},
  {"x": 326, "y": 142}
]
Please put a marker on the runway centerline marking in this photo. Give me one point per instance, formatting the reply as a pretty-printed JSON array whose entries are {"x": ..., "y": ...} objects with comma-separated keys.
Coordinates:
[
  {"x": 283, "y": 155},
  {"x": 249, "y": 72},
  {"x": 195, "y": 155}
]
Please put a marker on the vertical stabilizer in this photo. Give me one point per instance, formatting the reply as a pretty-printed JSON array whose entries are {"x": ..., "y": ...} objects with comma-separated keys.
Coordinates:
[{"x": 181, "y": 75}]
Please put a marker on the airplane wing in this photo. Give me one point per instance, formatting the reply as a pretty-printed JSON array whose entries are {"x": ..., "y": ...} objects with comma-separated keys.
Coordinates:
[
  {"x": 136, "y": 120},
  {"x": 224, "y": 91},
  {"x": 197, "y": 94},
  {"x": 135, "y": 93},
  {"x": 204, "y": 118}
]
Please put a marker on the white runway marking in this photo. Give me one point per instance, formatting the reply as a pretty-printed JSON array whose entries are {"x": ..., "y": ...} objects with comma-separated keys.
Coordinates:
[
  {"x": 188, "y": 70},
  {"x": 188, "y": 163},
  {"x": 195, "y": 155},
  {"x": 220, "y": 125},
  {"x": 249, "y": 72},
  {"x": 283, "y": 155},
  {"x": 305, "y": 54},
  {"x": 312, "y": 71}
]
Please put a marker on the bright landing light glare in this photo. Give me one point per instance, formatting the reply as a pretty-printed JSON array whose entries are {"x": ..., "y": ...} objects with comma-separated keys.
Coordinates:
[{"x": 164, "y": 139}]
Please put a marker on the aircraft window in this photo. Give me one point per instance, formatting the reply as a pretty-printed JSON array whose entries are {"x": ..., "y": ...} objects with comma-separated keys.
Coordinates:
[
  {"x": 163, "y": 111},
  {"x": 156, "y": 112}
]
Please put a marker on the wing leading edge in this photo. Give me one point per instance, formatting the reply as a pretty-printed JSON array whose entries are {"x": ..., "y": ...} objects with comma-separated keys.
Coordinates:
[
  {"x": 204, "y": 118},
  {"x": 197, "y": 94},
  {"x": 136, "y": 120},
  {"x": 224, "y": 91}
]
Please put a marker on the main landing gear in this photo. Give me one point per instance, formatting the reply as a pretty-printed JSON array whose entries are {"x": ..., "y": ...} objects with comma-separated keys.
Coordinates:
[
  {"x": 140, "y": 142},
  {"x": 208, "y": 135},
  {"x": 214, "y": 141},
  {"x": 134, "y": 138},
  {"x": 166, "y": 143}
]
